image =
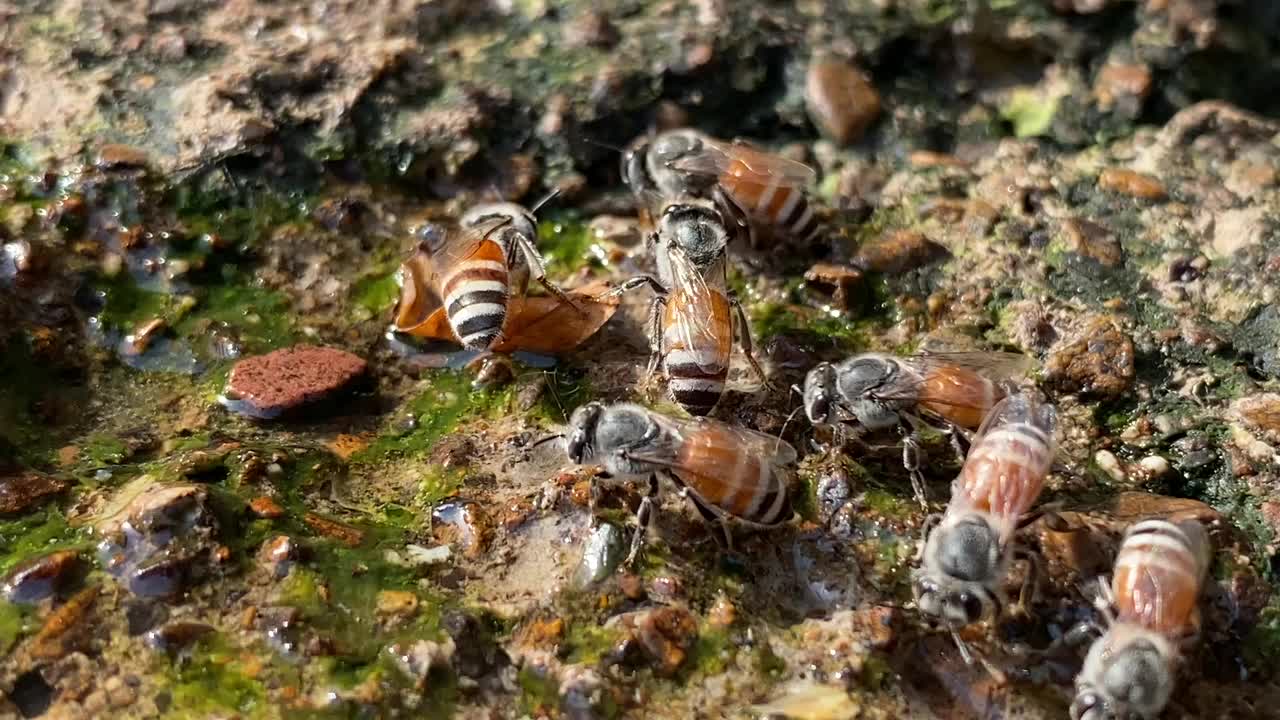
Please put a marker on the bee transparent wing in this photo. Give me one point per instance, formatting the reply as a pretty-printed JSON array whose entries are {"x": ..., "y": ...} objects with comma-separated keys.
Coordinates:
[
  {"x": 419, "y": 294},
  {"x": 1021, "y": 408},
  {"x": 716, "y": 436},
  {"x": 928, "y": 384},
  {"x": 717, "y": 157},
  {"x": 461, "y": 243},
  {"x": 994, "y": 365},
  {"x": 693, "y": 316}
]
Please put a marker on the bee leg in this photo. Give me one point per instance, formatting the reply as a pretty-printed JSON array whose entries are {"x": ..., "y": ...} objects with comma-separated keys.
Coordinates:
[
  {"x": 736, "y": 214},
  {"x": 1026, "y": 594},
  {"x": 930, "y": 522},
  {"x": 715, "y": 523},
  {"x": 960, "y": 442},
  {"x": 644, "y": 516},
  {"x": 638, "y": 281},
  {"x": 655, "y": 338},
  {"x": 911, "y": 461},
  {"x": 744, "y": 338},
  {"x": 538, "y": 269}
]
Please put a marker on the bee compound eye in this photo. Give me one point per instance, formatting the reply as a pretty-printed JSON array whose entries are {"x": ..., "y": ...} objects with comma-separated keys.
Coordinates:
[{"x": 971, "y": 605}]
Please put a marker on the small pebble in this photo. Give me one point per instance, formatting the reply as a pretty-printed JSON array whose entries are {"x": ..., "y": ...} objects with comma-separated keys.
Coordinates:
[
  {"x": 396, "y": 604},
  {"x": 841, "y": 100},
  {"x": 266, "y": 507},
  {"x": 267, "y": 386},
  {"x": 1155, "y": 465},
  {"x": 1110, "y": 464}
]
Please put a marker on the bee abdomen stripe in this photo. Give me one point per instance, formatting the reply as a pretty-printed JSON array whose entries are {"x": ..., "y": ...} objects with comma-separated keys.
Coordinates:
[
  {"x": 470, "y": 273},
  {"x": 487, "y": 298},
  {"x": 806, "y": 224},
  {"x": 478, "y": 318},
  {"x": 700, "y": 395},
  {"x": 475, "y": 287}
]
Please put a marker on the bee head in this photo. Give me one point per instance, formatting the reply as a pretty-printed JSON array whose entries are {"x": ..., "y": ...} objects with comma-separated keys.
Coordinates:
[
  {"x": 698, "y": 230},
  {"x": 1129, "y": 681},
  {"x": 582, "y": 428},
  {"x": 961, "y": 561},
  {"x": 819, "y": 391}
]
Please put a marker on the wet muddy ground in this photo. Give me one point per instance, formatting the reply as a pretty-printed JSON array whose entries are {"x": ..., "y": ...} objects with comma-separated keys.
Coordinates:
[{"x": 187, "y": 185}]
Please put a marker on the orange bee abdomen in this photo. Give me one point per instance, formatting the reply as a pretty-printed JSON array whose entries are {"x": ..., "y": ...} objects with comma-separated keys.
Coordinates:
[
  {"x": 782, "y": 206},
  {"x": 959, "y": 395},
  {"x": 475, "y": 292},
  {"x": 696, "y": 375},
  {"x": 1158, "y": 574},
  {"x": 1005, "y": 472},
  {"x": 733, "y": 480}
]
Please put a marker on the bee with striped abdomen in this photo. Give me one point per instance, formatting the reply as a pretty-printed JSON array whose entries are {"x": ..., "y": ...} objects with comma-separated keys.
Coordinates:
[
  {"x": 1155, "y": 590},
  {"x": 764, "y": 187},
  {"x": 470, "y": 272},
  {"x": 967, "y": 555},
  {"x": 877, "y": 391},
  {"x": 693, "y": 318},
  {"x": 726, "y": 471}
]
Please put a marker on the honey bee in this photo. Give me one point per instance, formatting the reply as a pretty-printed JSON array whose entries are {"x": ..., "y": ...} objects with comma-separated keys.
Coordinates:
[
  {"x": 763, "y": 186},
  {"x": 726, "y": 471},
  {"x": 1129, "y": 672},
  {"x": 693, "y": 317},
  {"x": 877, "y": 391},
  {"x": 471, "y": 272},
  {"x": 966, "y": 557}
]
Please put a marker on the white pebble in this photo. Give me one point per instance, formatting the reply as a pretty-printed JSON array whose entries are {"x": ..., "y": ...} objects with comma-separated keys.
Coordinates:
[
  {"x": 1155, "y": 465},
  {"x": 1110, "y": 464}
]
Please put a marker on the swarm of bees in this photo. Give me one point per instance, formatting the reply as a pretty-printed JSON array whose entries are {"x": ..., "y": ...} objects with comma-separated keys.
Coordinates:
[{"x": 697, "y": 196}]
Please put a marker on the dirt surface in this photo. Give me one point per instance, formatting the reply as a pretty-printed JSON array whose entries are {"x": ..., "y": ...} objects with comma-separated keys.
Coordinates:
[{"x": 187, "y": 185}]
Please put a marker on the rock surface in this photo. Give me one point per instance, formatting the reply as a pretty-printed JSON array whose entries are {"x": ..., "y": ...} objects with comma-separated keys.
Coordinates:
[{"x": 284, "y": 381}]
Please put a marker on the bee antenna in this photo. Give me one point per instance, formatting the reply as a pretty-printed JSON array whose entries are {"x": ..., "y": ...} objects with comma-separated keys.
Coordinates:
[
  {"x": 796, "y": 389},
  {"x": 790, "y": 417},
  {"x": 555, "y": 192},
  {"x": 546, "y": 440},
  {"x": 606, "y": 146}
]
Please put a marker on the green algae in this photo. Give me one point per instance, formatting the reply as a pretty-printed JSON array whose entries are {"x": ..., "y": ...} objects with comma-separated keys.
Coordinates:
[
  {"x": 215, "y": 678},
  {"x": 35, "y": 534},
  {"x": 376, "y": 293},
  {"x": 1029, "y": 112},
  {"x": 567, "y": 244},
  {"x": 15, "y": 623},
  {"x": 539, "y": 692},
  {"x": 711, "y": 653},
  {"x": 586, "y": 641}
]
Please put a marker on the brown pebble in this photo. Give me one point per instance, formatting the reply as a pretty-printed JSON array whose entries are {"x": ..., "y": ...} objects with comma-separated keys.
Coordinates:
[
  {"x": 1260, "y": 412},
  {"x": 56, "y": 638},
  {"x": 1093, "y": 241},
  {"x": 266, "y": 507},
  {"x": 845, "y": 282},
  {"x": 930, "y": 159},
  {"x": 1131, "y": 183},
  {"x": 144, "y": 334},
  {"x": 898, "y": 251},
  {"x": 580, "y": 495},
  {"x": 1097, "y": 361},
  {"x": 28, "y": 490},
  {"x": 40, "y": 577},
  {"x": 1118, "y": 82},
  {"x": 632, "y": 586},
  {"x": 120, "y": 156},
  {"x": 396, "y": 604},
  {"x": 722, "y": 614},
  {"x": 665, "y": 634},
  {"x": 841, "y": 100},
  {"x": 541, "y": 633},
  {"x": 267, "y": 386},
  {"x": 343, "y": 533}
]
